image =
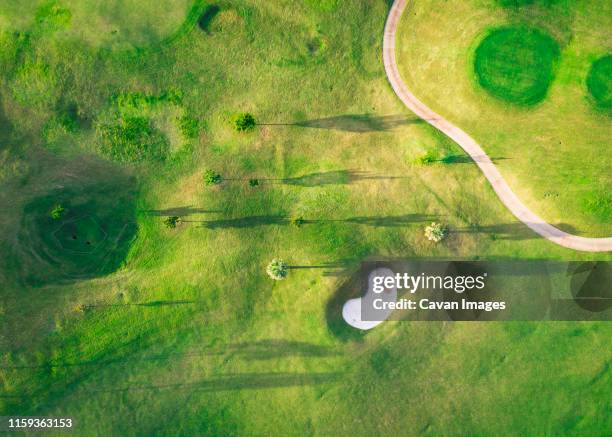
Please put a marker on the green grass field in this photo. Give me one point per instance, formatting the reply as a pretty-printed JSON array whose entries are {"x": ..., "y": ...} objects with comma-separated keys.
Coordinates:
[
  {"x": 157, "y": 331},
  {"x": 516, "y": 79}
]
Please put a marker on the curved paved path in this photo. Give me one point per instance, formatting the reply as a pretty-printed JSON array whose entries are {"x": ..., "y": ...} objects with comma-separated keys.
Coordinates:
[{"x": 472, "y": 148}]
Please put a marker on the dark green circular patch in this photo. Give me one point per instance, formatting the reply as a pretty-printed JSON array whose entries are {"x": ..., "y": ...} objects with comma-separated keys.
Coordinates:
[
  {"x": 91, "y": 238},
  {"x": 516, "y": 64},
  {"x": 599, "y": 82}
]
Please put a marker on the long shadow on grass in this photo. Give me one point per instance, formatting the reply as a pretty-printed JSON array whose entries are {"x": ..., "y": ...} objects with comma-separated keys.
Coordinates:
[
  {"x": 259, "y": 350},
  {"x": 334, "y": 268},
  {"x": 464, "y": 159},
  {"x": 317, "y": 179},
  {"x": 155, "y": 303},
  {"x": 266, "y": 220},
  {"x": 357, "y": 123},
  {"x": 180, "y": 211},
  {"x": 269, "y": 349},
  {"x": 241, "y": 381},
  {"x": 508, "y": 231},
  {"x": 245, "y": 222}
]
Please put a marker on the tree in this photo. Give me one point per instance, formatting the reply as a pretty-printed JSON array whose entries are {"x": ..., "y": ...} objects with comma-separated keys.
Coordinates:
[
  {"x": 244, "y": 122},
  {"x": 428, "y": 158},
  {"x": 172, "y": 221},
  {"x": 57, "y": 212},
  {"x": 190, "y": 127},
  {"x": 277, "y": 269},
  {"x": 253, "y": 182},
  {"x": 436, "y": 232},
  {"x": 211, "y": 177},
  {"x": 297, "y": 221}
]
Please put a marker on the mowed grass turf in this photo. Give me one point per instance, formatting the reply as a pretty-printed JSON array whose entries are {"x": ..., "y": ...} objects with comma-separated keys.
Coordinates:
[
  {"x": 600, "y": 82},
  {"x": 185, "y": 333},
  {"x": 516, "y": 64},
  {"x": 495, "y": 72},
  {"x": 113, "y": 23}
]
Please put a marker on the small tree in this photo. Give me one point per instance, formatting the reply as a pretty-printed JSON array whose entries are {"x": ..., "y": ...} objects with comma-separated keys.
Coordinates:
[
  {"x": 244, "y": 122},
  {"x": 211, "y": 177},
  {"x": 253, "y": 183},
  {"x": 427, "y": 158},
  {"x": 436, "y": 232},
  {"x": 190, "y": 127},
  {"x": 172, "y": 221},
  {"x": 297, "y": 221},
  {"x": 57, "y": 212},
  {"x": 277, "y": 269}
]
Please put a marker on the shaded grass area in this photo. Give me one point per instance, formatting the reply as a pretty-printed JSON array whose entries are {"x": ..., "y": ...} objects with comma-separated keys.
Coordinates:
[
  {"x": 207, "y": 16},
  {"x": 516, "y": 64},
  {"x": 188, "y": 335},
  {"x": 90, "y": 239}
]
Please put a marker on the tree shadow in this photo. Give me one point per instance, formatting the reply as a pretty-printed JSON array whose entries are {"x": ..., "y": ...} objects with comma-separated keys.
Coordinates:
[
  {"x": 267, "y": 220},
  {"x": 334, "y": 178},
  {"x": 334, "y": 268},
  {"x": 317, "y": 179},
  {"x": 269, "y": 349},
  {"x": 260, "y": 350},
  {"x": 155, "y": 303},
  {"x": 241, "y": 381},
  {"x": 464, "y": 159},
  {"x": 246, "y": 222},
  {"x": 207, "y": 16},
  {"x": 386, "y": 221},
  {"x": 180, "y": 211},
  {"x": 508, "y": 231},
  {"x": 356, "y": 123}
]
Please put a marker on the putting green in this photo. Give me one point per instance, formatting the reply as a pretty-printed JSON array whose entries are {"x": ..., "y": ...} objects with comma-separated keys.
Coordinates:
[
  {"x": 599, "y": 82},
  {"x": 516, "y": 64}
]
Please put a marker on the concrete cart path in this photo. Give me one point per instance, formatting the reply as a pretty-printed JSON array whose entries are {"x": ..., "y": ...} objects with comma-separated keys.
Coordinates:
[{"x": 472, "y": 148}]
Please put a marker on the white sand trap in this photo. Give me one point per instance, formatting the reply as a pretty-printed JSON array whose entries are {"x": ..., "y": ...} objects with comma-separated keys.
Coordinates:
[{"x": 351, "y": 311}]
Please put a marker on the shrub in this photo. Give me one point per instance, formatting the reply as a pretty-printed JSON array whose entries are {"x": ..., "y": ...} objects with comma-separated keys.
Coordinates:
[
  {"x": 211, "y": 177},
  {"x": 297, "y": 221},
  {"x": 277, "y": 269},
  {"x": 426, "y": 159},
  {"x": 244, "y": 122},
  {"x": 142, "y": 101},
  {"x": 253, "y": 182},
  {"x": 53, "y": 17},
  {"x": 436, "y": 232},
  {"x": 133, "y": 139},
  {"x": 56, "y": 128},
  {"x": 172, "y": 221},
  {"x": 190, "y": 127},
  {"x": 57, "y": 212},
  {"x": 69, "y": 121},
  {"x": 35, "y": 85}
]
